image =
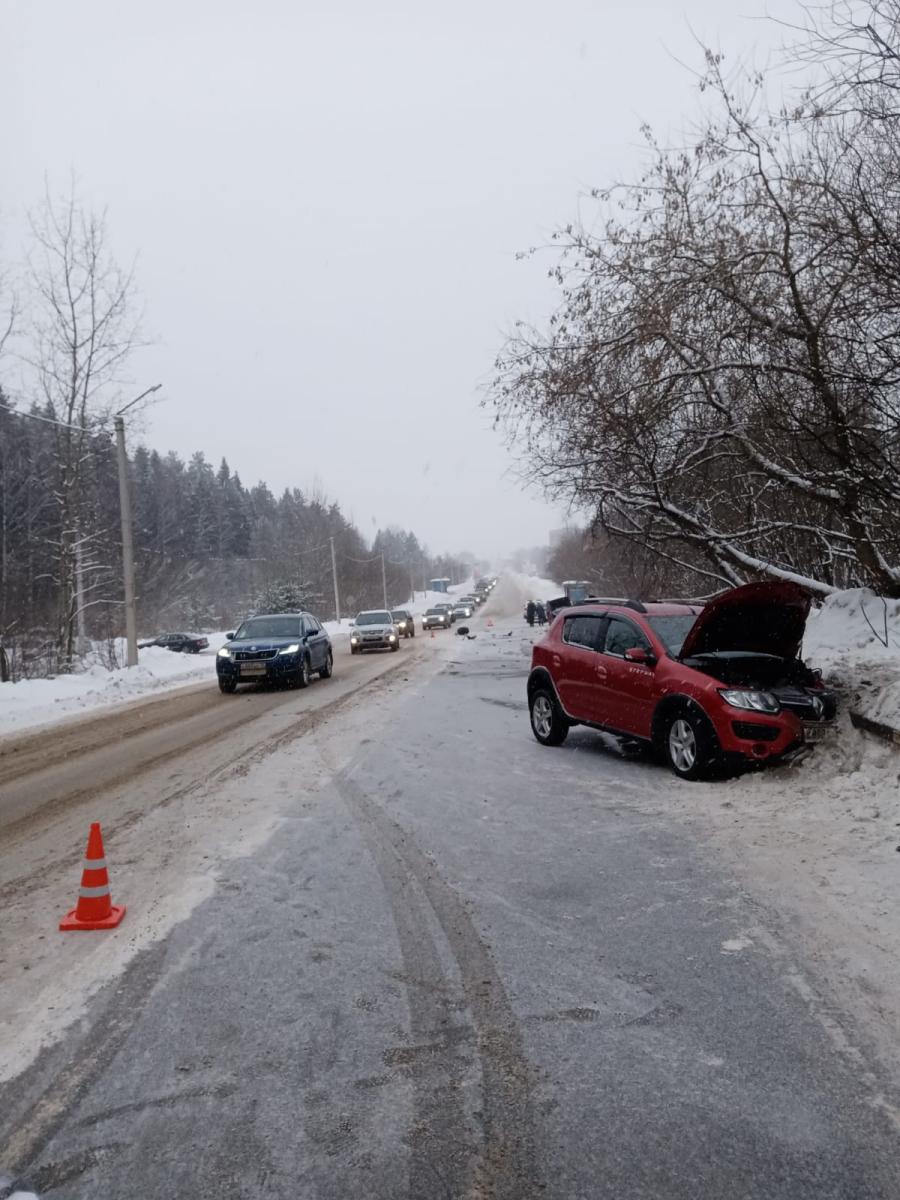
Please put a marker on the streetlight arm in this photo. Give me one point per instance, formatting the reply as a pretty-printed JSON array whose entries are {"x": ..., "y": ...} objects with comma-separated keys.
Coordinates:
[{"x": 131, "y": 403}]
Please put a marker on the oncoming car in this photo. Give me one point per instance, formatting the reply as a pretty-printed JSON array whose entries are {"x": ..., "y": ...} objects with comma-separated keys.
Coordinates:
[
  {"x": 405, "y": 622},
  {"x": 705, "y": 687},
  {"x": 276, "y": 648},
  {"x": 374, "y": 630},
  {"x": 462, "y": 608},
  {"x": 436, "y": 618}
]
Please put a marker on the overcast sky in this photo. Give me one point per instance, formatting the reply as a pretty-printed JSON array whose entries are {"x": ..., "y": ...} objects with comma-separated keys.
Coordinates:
[{"x": 326, "y": 201}]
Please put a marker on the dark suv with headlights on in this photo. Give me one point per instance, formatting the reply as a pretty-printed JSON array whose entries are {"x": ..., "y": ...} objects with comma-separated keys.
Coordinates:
[
  {"x": 404, "y": 622},
  {"x": 720, "y": 685},
  {"x": 276, "y": 648}
]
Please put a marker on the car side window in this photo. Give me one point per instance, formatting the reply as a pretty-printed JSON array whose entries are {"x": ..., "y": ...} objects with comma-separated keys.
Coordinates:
[
  {"x": 584, "y": 631},
  {"x": 623, "y": 635}
]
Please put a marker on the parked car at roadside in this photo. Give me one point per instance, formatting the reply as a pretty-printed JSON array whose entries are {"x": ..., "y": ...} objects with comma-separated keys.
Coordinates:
[
  {"x": 721, "y": 685},
  {"x": 276, "y": 648},
  {"x": 181, "y": 643},
  {"x": 405, "y": 622},
  {"x": 436, "y": 618},
  {"x": 374, "y": 629}
]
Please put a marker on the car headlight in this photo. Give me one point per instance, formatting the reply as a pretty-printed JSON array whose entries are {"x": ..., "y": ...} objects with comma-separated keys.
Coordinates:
[
  {"x": 293, "y": 649},
  {"x": 224, "y": 652},
  {"x": 354, "y": 640},
  {"x": 402, "y": 625},
  {"x": 392, "y": 637},
  {"x": 750, "y": 700}
]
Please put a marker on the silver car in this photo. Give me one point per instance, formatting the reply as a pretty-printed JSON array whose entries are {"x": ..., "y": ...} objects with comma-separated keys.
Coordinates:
[{"x": 374, "y": 629}]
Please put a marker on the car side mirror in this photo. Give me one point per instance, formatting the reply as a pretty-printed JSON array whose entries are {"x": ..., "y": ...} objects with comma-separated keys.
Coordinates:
[
  {"x": 637, "y": 654},
  {"x": 229, "y": 637}
]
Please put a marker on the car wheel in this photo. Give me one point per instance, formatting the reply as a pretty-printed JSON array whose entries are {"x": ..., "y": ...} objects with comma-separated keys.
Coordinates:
[
  {"x": 690, "y": 745},
  {"x": 548, "y": 724},
  {"x": 227, "y": 686},
  {"x": 327, "y": 670},
  {"x": 303, "y": 673},
  {"x": 396, "y": 646}
]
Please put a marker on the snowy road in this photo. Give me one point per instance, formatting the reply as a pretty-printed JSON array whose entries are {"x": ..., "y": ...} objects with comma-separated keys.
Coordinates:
[{"x": 428, "y": 959}]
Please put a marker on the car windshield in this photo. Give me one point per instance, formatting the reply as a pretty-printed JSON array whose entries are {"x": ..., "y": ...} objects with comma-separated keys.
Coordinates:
[
  {"x": 435, "y": 612},
  {"x": 399, "y": 615},
  {"x": 374, "y": 618},
  {"x": 672, "y": 630},
  {"x": 269, "y": 627}
]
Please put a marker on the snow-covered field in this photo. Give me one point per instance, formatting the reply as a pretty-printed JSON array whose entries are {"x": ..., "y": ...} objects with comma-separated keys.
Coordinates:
[{"x": 32, "y": 703}]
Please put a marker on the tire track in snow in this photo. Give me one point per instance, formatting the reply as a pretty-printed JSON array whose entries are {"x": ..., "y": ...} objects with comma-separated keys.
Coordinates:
[{"x": 501, "y": 1164}]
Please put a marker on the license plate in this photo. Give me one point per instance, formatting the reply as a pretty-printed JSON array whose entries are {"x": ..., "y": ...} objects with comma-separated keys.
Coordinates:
[
  {"x": 253, "y": 668},
  {"x": 817, "y": 731}
]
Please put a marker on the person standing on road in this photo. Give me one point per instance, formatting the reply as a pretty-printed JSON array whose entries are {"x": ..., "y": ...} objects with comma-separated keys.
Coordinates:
[
  {"x": 541, "y": 613},
  {"x": 529, "y": 612}
]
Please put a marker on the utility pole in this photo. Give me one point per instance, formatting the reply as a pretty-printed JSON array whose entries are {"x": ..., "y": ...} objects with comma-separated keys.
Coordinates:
[
  {"x": 127, "y": 551},
  {"x": 384, "y": 580},
  {"x": 337, "y": 601},
  {"x": 127, "y": 547}
]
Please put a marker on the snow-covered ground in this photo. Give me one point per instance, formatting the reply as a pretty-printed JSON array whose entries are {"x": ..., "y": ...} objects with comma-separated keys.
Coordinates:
[{"x": 37, "y": 702}]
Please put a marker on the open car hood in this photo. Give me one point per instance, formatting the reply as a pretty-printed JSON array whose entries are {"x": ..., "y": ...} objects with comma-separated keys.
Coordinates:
[{"x": 760, "y": 618}]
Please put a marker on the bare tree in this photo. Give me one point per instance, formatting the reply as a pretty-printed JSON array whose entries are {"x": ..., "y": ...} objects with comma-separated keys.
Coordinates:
[
  {"x": 83, "y": 328},
  {"x": 722, "y": 380}
]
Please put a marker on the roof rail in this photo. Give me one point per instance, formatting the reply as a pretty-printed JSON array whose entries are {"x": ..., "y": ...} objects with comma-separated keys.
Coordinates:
[
  {"x": 694, "y": 603},
  {"x": 619, "y": 601}
]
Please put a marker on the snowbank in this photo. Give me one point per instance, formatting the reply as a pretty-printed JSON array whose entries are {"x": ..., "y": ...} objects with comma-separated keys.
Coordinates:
[{"x": 855, "y": 640}]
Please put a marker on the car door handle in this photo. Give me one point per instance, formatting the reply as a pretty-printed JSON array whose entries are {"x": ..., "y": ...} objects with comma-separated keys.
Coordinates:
[{"x": 601, "y": 671}]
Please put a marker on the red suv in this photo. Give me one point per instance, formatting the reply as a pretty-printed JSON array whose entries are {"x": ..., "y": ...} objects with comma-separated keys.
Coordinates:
[{"x": 704, "y": 686}]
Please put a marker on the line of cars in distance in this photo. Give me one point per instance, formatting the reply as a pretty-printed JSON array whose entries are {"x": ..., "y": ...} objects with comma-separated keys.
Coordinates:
[
  {"x": 443, "y": 615},
  {"x": 293, "y": 648}
]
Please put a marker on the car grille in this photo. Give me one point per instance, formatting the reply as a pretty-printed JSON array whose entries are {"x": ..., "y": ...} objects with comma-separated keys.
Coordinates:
[
  {"x": 803, "y": 704},
  {"x": 253, "y": 655}
]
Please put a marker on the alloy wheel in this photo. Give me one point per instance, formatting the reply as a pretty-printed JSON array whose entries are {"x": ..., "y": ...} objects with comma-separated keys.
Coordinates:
[
  {"x": 542, "y": 716},
  {"x": 682, "y": 744}
]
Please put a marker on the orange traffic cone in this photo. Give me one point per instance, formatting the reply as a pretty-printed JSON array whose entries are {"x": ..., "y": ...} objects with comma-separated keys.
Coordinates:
[
  {"x": 490, "y": 622},
  {"x": 432, "y": 633},
  {"x": 95, "y": 909}
]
